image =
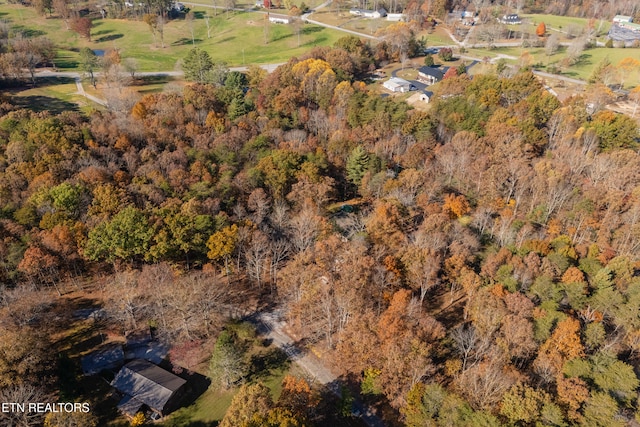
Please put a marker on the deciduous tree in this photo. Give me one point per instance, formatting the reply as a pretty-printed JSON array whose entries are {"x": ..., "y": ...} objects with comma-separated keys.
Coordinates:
[
  {"x": 126, "y": 236},
  {"x": 541, "y": 29},
  {"x": 82, "y": 26},
  {"x": 250, "y": 401}
]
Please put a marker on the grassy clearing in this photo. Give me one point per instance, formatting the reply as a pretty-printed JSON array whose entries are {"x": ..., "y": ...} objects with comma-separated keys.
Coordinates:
[
  {"x": 564, "y": 22},
  {"x": 437, "y": 37},
  {"x": 211, "y": 406},
  {"x": 267, "y": 364},
  {"x": 366, "y": 26},
  {"x": 582, "y": 70},
  {"x": 592, "y": 57},
  {"x": 237, "y": 38},
  {"x": 55, "y": 94}
]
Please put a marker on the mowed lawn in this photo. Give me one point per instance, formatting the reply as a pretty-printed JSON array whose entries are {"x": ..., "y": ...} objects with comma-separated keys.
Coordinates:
[
  {"x": 238, "y": 38},
  {"x": 564, "y": 22},
  {"x": 51, "y": 94},
  {"x": 268, "y": 366},
  {"x": 582, "y": 70}
]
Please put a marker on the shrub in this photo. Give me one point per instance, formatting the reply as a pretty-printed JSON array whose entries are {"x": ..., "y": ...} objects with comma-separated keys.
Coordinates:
[{"x": 446, "y": 54}]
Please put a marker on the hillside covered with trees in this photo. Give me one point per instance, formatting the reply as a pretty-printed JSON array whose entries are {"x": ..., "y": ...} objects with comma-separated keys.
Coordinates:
[{"x": 476, "y": 264}]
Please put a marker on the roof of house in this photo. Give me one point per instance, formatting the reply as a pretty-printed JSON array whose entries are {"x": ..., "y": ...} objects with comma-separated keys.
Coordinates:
[
  {"x": 511, "y": 18},
  {"x": 277, "y": 16},
  {"x": 431, "y": 71},
  {"x": 397, "y": 81},
  {"x": 429, "y": 94},
  {"x": 148, "y": 383},
  {"x": 381, "y": 11},
  {"x": 630, "y": 25},
  {"x": 622, "y": 18},
  {"x": 130, "y": 405}
]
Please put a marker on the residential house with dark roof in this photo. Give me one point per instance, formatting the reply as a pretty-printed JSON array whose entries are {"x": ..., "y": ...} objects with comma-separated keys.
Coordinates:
[
  {"x": 429, "y": 75},
  {"x": 144, "y": 383}
]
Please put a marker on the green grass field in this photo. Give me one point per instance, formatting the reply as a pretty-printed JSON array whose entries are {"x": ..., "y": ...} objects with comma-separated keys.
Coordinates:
[
  {"x": 592, "y": 57},
  {"x": 564, "y": 22},
  {"x": 211, "y": 406},
  {"x": 582, "y": 70},
  {"x": 55, "y": 94},
  {"x": 237, "y": 38},
  {"x": 437, "y": 37}
]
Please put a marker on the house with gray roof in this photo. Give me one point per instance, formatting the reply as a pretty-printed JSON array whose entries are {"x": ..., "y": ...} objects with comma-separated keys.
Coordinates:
[
  {"x": 429, "y": 75},
  {"x": 144, "y": 383}
]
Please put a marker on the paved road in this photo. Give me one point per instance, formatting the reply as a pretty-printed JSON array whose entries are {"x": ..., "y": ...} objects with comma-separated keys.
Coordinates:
[
  {"x": 269, "y": 325},
  {"x": 322, "y": 24},
  {"x": 557, "y": 77}
]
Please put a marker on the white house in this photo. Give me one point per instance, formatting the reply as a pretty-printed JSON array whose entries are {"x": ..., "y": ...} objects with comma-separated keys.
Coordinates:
[
  {"x": 510, "y": 19},
  {"x": 279, "y": 19},
  {"x": 396, "y": 17},
  {"x": 618, "y": 19},
  {"x": 375, "y": 14},
  {"x": 630, "y": 26},
  {"x": 429, "y": 75},
  {"x": 396, "y": 84}
]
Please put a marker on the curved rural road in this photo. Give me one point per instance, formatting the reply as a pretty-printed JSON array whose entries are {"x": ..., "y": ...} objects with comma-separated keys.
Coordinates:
[{"x": 269, "y": 325}]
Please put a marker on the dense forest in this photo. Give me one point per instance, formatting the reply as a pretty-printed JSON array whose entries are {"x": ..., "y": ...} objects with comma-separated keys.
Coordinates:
[{"x": 471, "y": 265}]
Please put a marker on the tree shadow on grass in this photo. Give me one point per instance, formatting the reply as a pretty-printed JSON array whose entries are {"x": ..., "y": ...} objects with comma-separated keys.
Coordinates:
[
  {"x": 185, "y": 41},
  {"x": 63, "y": 62},
  {"x": 101, "y": 32},
  {"x": 109, "y": 38},
  {"x": 281, "y": 37},
  {"x": 316, "y": 42},
  {"x": 155, "y": 79},
  {"x": 264, "y": 364},
  {"x": 197, "y": 384},
  {"x": 43, "y": 103},
  {"x": 226, "y": 39},
  {"x": 311, "y": 30},
  {"x": 28, "y": 32}
]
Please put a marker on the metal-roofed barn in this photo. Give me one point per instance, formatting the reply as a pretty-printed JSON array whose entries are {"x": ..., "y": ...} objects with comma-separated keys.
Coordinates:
[{"x": 151, "y": 385}]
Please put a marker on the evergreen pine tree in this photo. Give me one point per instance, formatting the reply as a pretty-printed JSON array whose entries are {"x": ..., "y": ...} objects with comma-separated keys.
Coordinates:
[
  {"x": 226, "y": 366},
  {"x": 357, "y": 164}
]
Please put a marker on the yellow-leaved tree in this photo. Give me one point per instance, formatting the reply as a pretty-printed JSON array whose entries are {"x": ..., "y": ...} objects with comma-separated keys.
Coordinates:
[{"x": 221, "y": 245}]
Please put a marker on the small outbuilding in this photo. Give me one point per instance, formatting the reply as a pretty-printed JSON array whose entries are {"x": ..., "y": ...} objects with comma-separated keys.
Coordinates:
[
  {"x": 144, "y": 383},
  {"x": 396, "y": 84},
  {"x": 426, "y": 96}
]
